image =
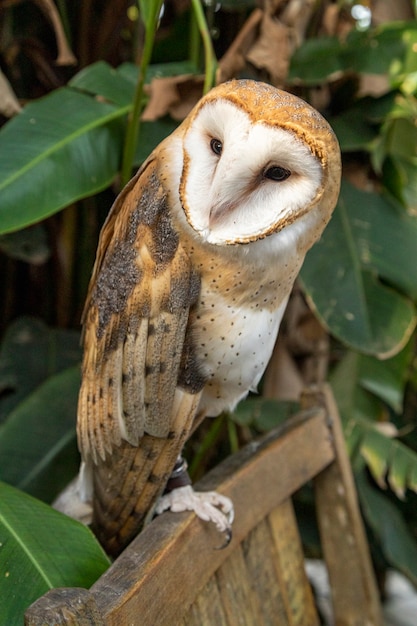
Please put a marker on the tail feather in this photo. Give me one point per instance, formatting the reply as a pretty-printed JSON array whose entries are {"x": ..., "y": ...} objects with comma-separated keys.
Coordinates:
[{"x": 128, "y": 483}]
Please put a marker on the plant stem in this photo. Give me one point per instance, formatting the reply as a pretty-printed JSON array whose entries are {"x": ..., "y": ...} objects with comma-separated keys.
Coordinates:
[
  {"x": 209, "y": 56},
  {"x": 63, "y": 13},
  {"x": 132, "y": 130},
  {"x": 207, "y": 444},
  {"x": 233, "y": 438},
  {"x": 194, "y": 42}
]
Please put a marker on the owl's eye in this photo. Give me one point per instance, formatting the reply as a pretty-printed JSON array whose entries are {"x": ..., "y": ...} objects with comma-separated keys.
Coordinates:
[
  {"x": 217, "y": 146},
  {"x": 277, "y": 173}
]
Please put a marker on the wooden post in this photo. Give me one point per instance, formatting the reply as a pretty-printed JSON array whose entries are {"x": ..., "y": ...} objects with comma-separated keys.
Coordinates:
[{"x": 345, "y": 548}]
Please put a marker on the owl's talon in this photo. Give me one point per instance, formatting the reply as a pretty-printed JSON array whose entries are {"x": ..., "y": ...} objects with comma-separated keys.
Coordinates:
[
  {"x": 228, "y": 534},
  {"x": 209, "y": 506}
]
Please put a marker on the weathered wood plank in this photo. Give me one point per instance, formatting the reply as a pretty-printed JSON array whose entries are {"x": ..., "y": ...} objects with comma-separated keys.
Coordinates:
[
  {"x": 176, "y": 553},
  {"x": 294, "y": 584},
  {"x": 240, "y": 603},
  {"x": 262, "y": 561},
  {"x": 70, "y": 607},
  {"x": 207, "y": 608},
  {"x": 352, "y": 581}
]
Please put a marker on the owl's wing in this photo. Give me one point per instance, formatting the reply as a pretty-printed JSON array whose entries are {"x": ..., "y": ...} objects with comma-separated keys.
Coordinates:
[{"x": 135, "y": 321}]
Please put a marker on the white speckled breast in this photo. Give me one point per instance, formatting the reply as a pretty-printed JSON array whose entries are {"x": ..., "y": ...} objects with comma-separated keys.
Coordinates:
[{"x": 235, "y": 346}]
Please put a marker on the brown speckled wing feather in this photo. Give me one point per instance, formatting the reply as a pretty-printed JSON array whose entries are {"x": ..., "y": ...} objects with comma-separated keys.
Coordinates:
[{"x": 133, "y": 419}]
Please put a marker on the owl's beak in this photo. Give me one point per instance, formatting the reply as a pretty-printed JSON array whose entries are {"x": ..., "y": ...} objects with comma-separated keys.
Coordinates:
[{"x": 219, "y": 211}]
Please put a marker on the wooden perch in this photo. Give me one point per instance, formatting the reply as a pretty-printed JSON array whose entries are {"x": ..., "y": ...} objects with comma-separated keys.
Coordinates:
[{"x": 172, "y": 572}]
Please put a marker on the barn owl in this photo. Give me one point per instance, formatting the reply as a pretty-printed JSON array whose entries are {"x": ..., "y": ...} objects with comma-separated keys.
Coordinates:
[{"x": 194, "y": 268}]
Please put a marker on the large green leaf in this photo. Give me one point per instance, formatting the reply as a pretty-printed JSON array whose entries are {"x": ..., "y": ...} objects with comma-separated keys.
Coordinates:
[
  {"x": 103, "y": 80},
  {"x": 396, "y": 541},
  {"x": 367, "y": 432},
  {"x": 41, "y": 549},
  {"x": 366, "y": 240},
  {"x": 60, "y": 148},
  {"x": 68, "y": 145},
  {"x": 29, "y": 354},
  {"x": 118, "y": 86},
  {"x": 37, "y": 441},
  {"x": 384, "y": 237}
]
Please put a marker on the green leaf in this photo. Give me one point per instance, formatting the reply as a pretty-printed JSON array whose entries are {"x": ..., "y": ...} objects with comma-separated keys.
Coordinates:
[
  {"x": 263, "y": 414},
  {"x": 68, "y": 144},
  {"x": 377, "y": 109},
  {"x": 410, "y": 61},
  {"x": 358, "y": 127},
  {"x": 389, "y": 459},
  {"x": 368, "y": 437},
  {"x": 386, "y": 379},
  {"x": 37, "y": 441},
  {"x": 384, "y": 237},
  {"x": 29, "y": 354},
  {"x": 174, "y": 68},
  {"x": 374, "y": 51},
  {"x": 398, "y": 145},
  {"x": 150, "y": 135},
  {"x": 354, "y": 402},
  {"x": 402, "y": 138},
  {"x": 41, "y": 549},
  {"x": 412, "y": 478},
  {"x": 118, "y": 86},
  {"x": 353, "y": 130},
  {"x": 59, "y": 149},
  {"x": 387, "y": 49},
  {"x": 367, "y": 239},
  {"x": 397, "y": 543},
  {"x": 402, "y": 462},
  {"x": 353, "y": 435},
  {"x": 130, "y": 71},
  {"x": 315, "y": 60},
  {"x": 103, "y": 80},
  {"x": 375, "y": 449},
  {"x": 406, "y": 169}
]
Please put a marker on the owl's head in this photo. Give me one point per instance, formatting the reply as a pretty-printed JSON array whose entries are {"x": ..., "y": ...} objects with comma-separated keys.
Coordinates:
[{"x": 255, "y": 159}]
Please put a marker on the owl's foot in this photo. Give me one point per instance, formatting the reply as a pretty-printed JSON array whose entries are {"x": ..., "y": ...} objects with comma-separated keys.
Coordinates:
[{"x": 209, "y": 506}]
